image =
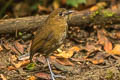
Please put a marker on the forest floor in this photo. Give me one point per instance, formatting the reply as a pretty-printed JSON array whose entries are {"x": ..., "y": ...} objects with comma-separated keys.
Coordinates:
[{"x": 87, "y": 54}]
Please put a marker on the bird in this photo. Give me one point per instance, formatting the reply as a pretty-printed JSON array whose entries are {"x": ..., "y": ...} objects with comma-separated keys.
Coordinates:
[{"x": 51, "y": 35}]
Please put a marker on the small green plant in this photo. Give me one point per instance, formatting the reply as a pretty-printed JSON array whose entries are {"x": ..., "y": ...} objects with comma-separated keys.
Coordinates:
[
  {"x": 75, "y": 3},
  {"x": 35, "y": 5},
  {"x": 109, "y": 75},
  {"x": 30, "y": 66},
  {"x": 20, "y": 33},
  {"x": 108, "y": 13}
]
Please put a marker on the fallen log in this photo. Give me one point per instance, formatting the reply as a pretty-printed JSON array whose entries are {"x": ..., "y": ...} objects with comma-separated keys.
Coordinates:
[{"x": 81, "y": 19}]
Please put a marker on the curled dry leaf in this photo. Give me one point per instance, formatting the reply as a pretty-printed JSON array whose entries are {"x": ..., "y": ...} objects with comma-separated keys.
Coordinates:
[
  {"x": 63, "y": 1},
  {"x": 99, "y": 61},
  {"x": 13, "y": 49},
  {"x": 92, "y": 47},
  {"x": 117, "y": 35},
  {"x": 43, "y": 76},
  {"x": 56, "y": 4},
  {"x": 3, "y": 77},
  {"x": 96, "y": 57},
  {"x": 13, "y": 58},
  {"x": 64, "y": 61},
  {"x": 1, "y": 48},
  {"x": 19, "y": 47},
  {"x": 64, "y": 68},
  {"x": 22, "y": 63},
  {"x": 11, "y": 68},
  {"x": 104, "y": 41},
  {"x": 101, "y": 37},
  {"x": 6, "y": 45},
  {"x": 98, "y": 6},
  {"x": 68, "y": 53},
  {"x": 108, "y": 46},
  {"x": 52, "y": 59},
  {"x": 114, "y": 7},
  {"x": 41, "y": 59},
  {"x": 42, "y": 8},
  {"x": 31, "y": 78},
  {"x": 116, "y": 50},
  {"x": 19, "y": 64}
]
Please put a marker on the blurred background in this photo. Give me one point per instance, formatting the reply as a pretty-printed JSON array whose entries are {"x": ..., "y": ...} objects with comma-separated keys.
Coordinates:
[{"x": 22, "y": 8}]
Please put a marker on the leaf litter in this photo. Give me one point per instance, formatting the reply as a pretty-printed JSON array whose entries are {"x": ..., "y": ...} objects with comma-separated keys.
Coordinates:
[{"x": 83, "y": 51}]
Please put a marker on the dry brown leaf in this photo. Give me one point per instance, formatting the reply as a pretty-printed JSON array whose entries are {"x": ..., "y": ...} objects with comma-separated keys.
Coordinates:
[
  {"x": 22, "y": 63},
  {"x": 101, "y": 37},
  {"x": 108, "y": 46},
  {"x": 52, "y": 58},
  {"x": 104, "y": 41},
  {"x": 3, "y": 77},
  {"x": 90, "y": 47},
  {"x": 13, "y": 58},
  {"x": 31, "y": 78},
  {"x": 64, "y": 54},
  {"x": 19, "y": 47},
  {"x": 63, "y": 1},
  {"x": 68, "y": 53},
  {"x": 99, "y": 61},
  {"x": 19, "y": 64},
  {"x": 114, "y": 7},
  {"x": 56, "y": 4},
  {"x": 11, "y": 68},
  {"x": 1, "y": 48},
  {"x": 64, "y": 61},
  {"x": 117, "y": 35},
  {"x": 98, "y": 6},
  {"x": 6, "y": 45},
  {"x": 13, "y": 49},
  {"x": 42, "y": 8},
  {"x": 43, "y": 75},
  {"x": 42, "y": 59},
  {"x": 116, "y": 50}
]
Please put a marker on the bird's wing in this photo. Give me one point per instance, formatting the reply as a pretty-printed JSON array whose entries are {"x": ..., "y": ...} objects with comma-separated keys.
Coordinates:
[{"x": 41, "y": 38}]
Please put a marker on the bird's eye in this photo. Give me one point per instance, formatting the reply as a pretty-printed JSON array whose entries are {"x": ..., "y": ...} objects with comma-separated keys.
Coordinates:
[{"x": 60, "y": 14}]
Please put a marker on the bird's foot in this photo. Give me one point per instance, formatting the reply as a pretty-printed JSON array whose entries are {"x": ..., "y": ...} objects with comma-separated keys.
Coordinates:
[{"x": 53, "y": 76}]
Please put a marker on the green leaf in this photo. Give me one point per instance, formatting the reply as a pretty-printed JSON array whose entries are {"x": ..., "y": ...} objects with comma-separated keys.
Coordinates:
[
  {"x": 20, "y": 34},
  {"x": 75, "y": 3},
  {"x": 35, "y": 6},
  {"x": 30, "y": 66}
]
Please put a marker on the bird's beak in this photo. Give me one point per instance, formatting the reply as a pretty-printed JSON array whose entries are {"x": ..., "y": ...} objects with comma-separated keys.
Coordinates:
[{"x": 69, "y": 12}]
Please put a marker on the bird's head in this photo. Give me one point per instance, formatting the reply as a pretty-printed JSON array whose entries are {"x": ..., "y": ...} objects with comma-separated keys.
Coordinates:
[{"x": 60, "y": 13}]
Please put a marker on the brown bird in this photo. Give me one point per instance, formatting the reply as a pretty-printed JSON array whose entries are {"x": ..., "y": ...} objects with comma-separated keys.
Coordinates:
[{"x": 51, "y": 35}]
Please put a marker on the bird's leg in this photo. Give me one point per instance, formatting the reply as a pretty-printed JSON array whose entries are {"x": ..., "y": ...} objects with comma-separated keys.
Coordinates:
[{"x": 53, "y": 76}]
